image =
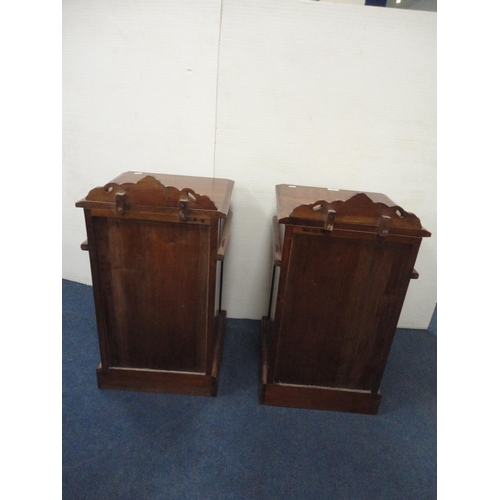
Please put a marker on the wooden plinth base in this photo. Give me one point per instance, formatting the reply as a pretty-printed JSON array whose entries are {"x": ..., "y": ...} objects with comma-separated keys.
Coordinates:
[
  {"x": 145, "y": 380},
  {"x": 310, "y": 397}
]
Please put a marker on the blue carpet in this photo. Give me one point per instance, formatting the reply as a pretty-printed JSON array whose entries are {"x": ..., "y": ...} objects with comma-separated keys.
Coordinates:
[{"x": 127, "y": 445}]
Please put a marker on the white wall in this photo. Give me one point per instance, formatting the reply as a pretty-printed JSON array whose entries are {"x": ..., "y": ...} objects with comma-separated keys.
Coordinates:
[
  {"x": 311, "y": 93},
  {"x": 139, "y": 93}
]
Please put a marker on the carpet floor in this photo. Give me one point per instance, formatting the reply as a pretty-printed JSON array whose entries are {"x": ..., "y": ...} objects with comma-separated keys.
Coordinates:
[{"x": 130, "y": 445}]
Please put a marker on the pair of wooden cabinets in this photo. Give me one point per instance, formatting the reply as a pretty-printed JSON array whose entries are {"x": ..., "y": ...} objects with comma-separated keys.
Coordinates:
[{"x": 342, "y": 264}]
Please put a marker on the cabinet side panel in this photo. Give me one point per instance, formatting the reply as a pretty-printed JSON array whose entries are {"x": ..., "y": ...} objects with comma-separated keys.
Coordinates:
[
  {"x": 342, "y": 301},
  {"x": 154, "y": 278}
]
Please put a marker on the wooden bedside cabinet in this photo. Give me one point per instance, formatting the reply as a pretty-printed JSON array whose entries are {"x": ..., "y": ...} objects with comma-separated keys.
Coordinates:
[
  {"x": 156, "y": 244},
  {"x": 345, "y": 260}
]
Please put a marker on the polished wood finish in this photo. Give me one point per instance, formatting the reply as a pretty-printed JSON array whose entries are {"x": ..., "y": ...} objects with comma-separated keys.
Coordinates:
[
  {"x": 346, "y": 259},
  {"x": 224, "y": 239},
  {"x": 163, "y": 191},
  {"x": 154, "y": 241}
]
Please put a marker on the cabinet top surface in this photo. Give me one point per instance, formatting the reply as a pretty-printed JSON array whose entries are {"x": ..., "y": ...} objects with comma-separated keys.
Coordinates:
[
  {"x": 299, "y": 205},
  {"x": 290, "y": 197},
  {"x": 207, "y": 185},
  {"x": 157, "y": 189}
]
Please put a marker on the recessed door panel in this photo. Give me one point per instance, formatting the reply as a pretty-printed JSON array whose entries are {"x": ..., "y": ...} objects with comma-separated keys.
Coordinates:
[
  {"x": 154, "y": 319},
  {"x": 339, "y": 298}
]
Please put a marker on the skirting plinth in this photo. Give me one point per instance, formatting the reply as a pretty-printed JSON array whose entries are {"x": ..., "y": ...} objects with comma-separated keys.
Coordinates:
[
  {"x": 310, "y": 397},
  {"x": 145, "y": 380}
]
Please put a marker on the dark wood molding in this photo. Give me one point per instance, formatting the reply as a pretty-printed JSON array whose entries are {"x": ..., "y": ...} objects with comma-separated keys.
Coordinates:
[
  {"x": 276, "y": 240},
  {"x": 349, "y": 210},
  {"x": 147, "y": 192},
  {"x": 224, "y": 239}
]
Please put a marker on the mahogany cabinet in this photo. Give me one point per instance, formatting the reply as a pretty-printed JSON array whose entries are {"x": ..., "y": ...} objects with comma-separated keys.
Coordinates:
[
  {"x": 345, "y": 260},
  {"x": 156, "y": 244}
]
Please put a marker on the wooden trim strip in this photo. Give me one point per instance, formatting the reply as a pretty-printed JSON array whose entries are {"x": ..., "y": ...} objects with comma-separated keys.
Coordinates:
[
  {"x": 224, "y": 238},
  {"x": 276, "y": 242},
  {"x": 155, "y": 381}
]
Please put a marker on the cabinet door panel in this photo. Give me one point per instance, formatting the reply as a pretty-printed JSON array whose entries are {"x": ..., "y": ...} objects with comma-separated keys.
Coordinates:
[
  {"x": 341, "y": 298},
  {"x": 154, "y": 282}
]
